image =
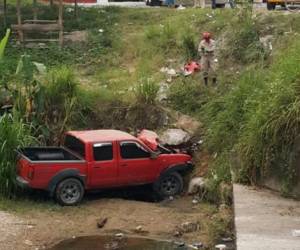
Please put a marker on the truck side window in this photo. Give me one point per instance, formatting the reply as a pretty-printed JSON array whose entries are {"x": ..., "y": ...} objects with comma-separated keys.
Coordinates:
[
  {"x": 132, "y": 150},
  {"x": 103, "y": 151}
]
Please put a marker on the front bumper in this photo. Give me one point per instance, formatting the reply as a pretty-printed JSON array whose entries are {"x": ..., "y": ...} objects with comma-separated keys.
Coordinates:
[{"x": 22, "y": 182}]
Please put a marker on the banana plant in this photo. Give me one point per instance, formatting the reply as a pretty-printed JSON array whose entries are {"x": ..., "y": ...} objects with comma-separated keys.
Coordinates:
[{"x": 3, "y": 43}]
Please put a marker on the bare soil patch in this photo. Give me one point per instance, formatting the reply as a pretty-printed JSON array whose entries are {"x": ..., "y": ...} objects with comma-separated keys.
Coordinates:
[{"x": 39, "y": 229}]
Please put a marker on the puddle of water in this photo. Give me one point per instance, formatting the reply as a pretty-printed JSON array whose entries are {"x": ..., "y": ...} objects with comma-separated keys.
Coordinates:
[{"x": 111, "y": 243}]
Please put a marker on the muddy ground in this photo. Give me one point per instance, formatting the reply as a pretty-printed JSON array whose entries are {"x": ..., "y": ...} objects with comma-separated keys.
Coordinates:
[{"x": 41, "y": 228}]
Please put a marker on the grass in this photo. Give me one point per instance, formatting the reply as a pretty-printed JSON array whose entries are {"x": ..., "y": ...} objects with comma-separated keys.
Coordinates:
[
  {"x": 13, "y": 134},
  {"x": 258, "y": 119},
  {"x": 97, "y": 84},
  {"x": 111, "y": 81}
]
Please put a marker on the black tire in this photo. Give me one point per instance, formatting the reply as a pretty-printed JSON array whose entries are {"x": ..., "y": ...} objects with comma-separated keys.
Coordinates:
[
  {"x": 271, "y": 6},
  {"x": 220, "y": 5},
  {"x": 69, "y": 192},
  {"x": 169, "y": 184}
]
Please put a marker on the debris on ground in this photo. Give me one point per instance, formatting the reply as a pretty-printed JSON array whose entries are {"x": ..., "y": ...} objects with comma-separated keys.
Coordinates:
[
  {"x": 187, "y": 227},
  {"x": 101, "y": 222},
  {"x": 139, "y": 230},
  {"x": 119, "y": 235},
  {"x": 188, "y": 123},
  {"x": 174, "y": 137},
  {"x": 195, "y": 201},
  {"x": 197, "y": 245},
  {"x": 266, "y": 41},
  {"x": 228, "y": 239},
  {"x": 180, "y": 243},
  {"x": 177, "y": 234},
  {"x": 220, "y": 246},
  {"x": 170, "y": 72},
  {"x": 195, "y": 185},
  {"x": 162, "y": 94},
  {"x": 191, "y": 68},
  {"x": 296, "y": 233},
  {"x": 28, "y": 243},
  {"x": 180, "y": 7}
]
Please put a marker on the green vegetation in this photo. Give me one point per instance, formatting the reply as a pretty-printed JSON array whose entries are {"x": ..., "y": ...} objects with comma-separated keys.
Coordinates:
[
  {"x": 13, "y": 134},
  {"x": 112, "y": 80},
  {"x": 258, "y": 118}
]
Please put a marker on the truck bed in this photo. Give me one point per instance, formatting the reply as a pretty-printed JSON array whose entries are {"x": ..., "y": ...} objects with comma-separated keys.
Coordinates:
[{"x": 48, "y": 154}]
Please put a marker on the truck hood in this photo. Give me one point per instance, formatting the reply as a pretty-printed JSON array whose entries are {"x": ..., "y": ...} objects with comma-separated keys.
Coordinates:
[{"x": 150, "y": 138}]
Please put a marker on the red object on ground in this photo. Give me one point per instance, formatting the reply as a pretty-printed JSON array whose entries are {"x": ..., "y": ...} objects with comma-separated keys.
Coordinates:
[
  {"x": 191, "y": 68},
  {"x": 96, "y": 159}
]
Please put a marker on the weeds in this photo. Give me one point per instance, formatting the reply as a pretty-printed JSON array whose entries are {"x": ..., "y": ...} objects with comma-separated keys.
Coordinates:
[
  {"x": 189, "y": 95},
  {"x": 189, "y": 47},
  {"x": 259, "y": 119},
  {"x": 13, "y": 134},
  {"x": 146, "y": 92}
]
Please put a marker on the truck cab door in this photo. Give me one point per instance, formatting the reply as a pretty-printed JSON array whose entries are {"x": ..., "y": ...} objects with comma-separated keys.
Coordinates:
[
  {"x": 104, "y": 168},
  {"x": 135, "y": 164}
]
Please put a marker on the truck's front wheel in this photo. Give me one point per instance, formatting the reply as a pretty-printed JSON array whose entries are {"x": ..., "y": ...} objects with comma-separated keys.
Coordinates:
[
  {"x": 69, "y": 192},
  {"x": 169, "y": 185}
]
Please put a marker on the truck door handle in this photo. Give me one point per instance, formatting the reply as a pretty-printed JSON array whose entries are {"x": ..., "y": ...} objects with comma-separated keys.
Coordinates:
[
  {"x": 97, "y": 167},
  {"x": 124, "y": 165}
]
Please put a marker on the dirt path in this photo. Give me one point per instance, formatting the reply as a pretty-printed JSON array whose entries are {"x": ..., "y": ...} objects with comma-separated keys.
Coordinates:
[
  {"x": 10, "y": 229},
  {"x": 38, "y": 229}
]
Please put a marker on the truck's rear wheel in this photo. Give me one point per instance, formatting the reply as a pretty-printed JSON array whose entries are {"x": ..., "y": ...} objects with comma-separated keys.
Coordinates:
[
  {"x": 169, "y": 185},
  {"x": 69, "y": 192}
]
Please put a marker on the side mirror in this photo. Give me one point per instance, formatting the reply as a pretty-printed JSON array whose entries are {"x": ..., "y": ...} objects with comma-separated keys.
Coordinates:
[{"x": 153, "y": 155}]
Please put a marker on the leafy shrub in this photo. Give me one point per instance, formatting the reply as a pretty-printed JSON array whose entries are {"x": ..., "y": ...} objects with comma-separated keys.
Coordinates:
[
  {"x": 188, "y": 96},
  {"x": 243, "y": 43},
  {"x": 13, "y": 134},
  {"x": 3, "y": 43},
  {"x": 146, "y": 92},
  {"x": 189, "y": 46},
  {"x": 61, "y": 84}
]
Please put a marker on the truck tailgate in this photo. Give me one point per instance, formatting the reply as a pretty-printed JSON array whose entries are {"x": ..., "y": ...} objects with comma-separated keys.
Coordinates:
[{"x": 23, "y": 168}]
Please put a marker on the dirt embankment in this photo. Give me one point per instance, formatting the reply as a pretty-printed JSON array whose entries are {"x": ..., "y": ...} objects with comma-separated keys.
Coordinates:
[{"x": 41, "y": 229}]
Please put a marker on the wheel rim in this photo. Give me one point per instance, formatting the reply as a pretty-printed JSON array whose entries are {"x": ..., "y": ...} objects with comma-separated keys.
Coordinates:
[
  {"x": 169, "y": 185},
  {"x": 70, "y": 192}
]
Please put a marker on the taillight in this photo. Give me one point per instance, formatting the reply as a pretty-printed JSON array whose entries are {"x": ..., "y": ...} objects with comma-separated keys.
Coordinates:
[{"x": 30, "y": 172}]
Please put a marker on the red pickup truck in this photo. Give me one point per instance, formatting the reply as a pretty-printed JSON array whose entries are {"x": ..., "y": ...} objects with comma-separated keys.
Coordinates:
[{"x": 98, "y": 159}]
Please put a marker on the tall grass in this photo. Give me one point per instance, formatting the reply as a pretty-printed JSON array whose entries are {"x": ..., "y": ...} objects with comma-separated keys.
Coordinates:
[
  {"x": 260, "y": 120},
  {"x": 146, "y": 92},
  {"x": 13, "y": 134}
]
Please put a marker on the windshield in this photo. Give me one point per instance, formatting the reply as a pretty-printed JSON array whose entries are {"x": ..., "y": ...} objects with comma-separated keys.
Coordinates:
[{"x": 75, "y": 145}]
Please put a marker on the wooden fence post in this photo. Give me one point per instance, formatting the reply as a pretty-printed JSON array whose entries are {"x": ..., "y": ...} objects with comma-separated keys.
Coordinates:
[
  {"x": 5, "y": 14},
  {"x": 60, "y": 23},
  {"x": 75, "y": 9},
  {"x": 20, "y": 31},
  {"x": 34, "y": 10}
]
